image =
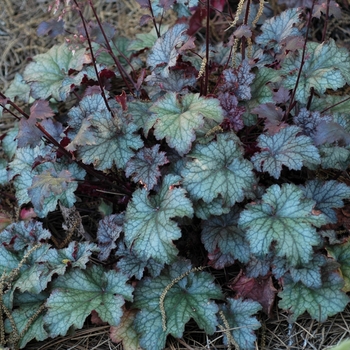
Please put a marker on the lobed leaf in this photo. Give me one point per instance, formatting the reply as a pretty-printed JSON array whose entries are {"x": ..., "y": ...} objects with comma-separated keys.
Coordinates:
[
  {"x": 341, "y": 254},
  {"x": 109, "y": 229},
  {"x": 320, "y": 303},
  {"x": 26, "y": 306},
  {"x": 164, "y": 52},
  {"x": 327, "y": 195},
  {"x": 284, "y": 217},
  {"x": 125, "y": 331},
  {"x": 238, "y": 314},
  {"x": 177, "y": 120},
  {"x": 113, "y": 142},
  {"x": 53, "y": 185},
  {"x": 48, "y": 75},
  {"x": 218, "y": 168},
  {"x": 284, "y": 148},
  {"x": 190, "y": 297},
  {"x": 276, "y": 29},
  {"x": 326, "y": 67},
  {"x": 222, "y": 232},
  {"x": 78, "y": 292},
  {"x": 131, "y": 265},
  {"x": 22, "y": 234},
  {"x": 144, "y": 166},
  {"x": 148, "y": 227}
]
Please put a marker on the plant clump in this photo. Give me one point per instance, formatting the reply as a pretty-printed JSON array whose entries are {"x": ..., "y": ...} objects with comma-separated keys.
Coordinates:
[{"x": 169, "y": 159}]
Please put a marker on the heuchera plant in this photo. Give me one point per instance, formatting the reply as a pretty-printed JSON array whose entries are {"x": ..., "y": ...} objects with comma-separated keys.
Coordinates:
[{"x": 192, "y": 156}]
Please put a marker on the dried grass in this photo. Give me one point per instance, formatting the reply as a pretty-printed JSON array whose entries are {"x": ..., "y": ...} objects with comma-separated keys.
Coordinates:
[{"x": 19, "y": 42}]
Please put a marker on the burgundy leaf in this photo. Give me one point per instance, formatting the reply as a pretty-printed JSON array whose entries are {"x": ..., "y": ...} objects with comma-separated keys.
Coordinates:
[
  {"x": 273, "y": 117},
  {"x": 188, "y": 45},
  {"x": 243, "y": 30},
  {"x": 143, "y": 3},
  {"x": 166, "y": 4},
  {"x": 282, "y": 95},
  {"x": 145, "y": 19},
  {"x": 196, "y": 21},
  {"x": 218, "y": 4},
  {"x": 144, "y": 166},
  {"x": 321, "y": 7},
  {"x": 40, "y": 110},
  {"x": 122, "y": 100},
  {"x": 328, "y": 132},
  {"x": 219, "y": 260},
  {"x": 51, "y": 28},
  {"x": 232, "y": 112},
  {"x": 259, "y": 289}
]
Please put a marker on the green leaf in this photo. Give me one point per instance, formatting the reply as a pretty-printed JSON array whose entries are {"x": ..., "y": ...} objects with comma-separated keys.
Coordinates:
[
  {"x": 18, "y": 89},
  {"x": 78, "y": 292},
  {"x": 9, "y": 142},
  {"x": 284, "y": 148},
  {"x": 177, "y": 120},
  {"x": 344, "y": 345},
  {"x": 44, "y": 263},
  {"x": 326, "y": 67},
  {"x": 218, "y": 168},
  {"x": 33, "y": 277},
  {"x": 53, "y": 185},
  {"x": 8, "y": 260},
  {"x": 120, "y": 48},
  {"x": 131, "y": 265},
  {"x": 222, "y": 232},
  {"x": 320, "y": 303},
  {"x": 310, "y": 273},
  {"x": 261, "y": 92},
  {"x": 139, "y": 111},
  {"x": 165, "y": 51},
  {"x": 3, "y": 172},
  {"x": 334, "y": 157},
  {"x": 48, "y": 74},
  {"x": 186, "y": 295},
  {"x": 88, "y": 105},
  {"x": 113, "y": 141},
  {"x": 276, "y": 29},
  {"x": 22, "y": 166},
  {"x": 147, "y": 40},
  {"x": 327, "y": 195},
  {"x": 284, "y": 217},
  {"x": 204, "y": 210},
  {"x": 341, "y": 253},
  {"x": 238, "y": 314},
  {"x": 27, "y": 305},
  {"x": 144, "y": 166},
  {"x": 148, "y": 227},
  {"x": 22, "y": 234},
  {"x": 332, "y": 103}
]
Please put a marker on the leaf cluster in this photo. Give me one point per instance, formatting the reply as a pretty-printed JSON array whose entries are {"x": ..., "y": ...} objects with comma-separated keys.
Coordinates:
[{"x": 194, "y": 156}]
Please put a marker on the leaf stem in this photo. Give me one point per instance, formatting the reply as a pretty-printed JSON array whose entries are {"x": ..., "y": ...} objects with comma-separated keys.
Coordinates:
[
  {"x": 93, "y": 59},
  {"x": 18, "y": 109},
  {"x": 325, "y": 22},
  {"x": 206, "y": 78},
  {"x": 301, "y": 64},
  {"x": 153, "y": 18},
  {"x": 336, "y": 104},
  {"x": 244, "y": 40},
  {"x": 110, "y": 51}
]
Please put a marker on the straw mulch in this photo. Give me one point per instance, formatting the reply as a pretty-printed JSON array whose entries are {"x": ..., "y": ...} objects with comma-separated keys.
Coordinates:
[{"x": 19, "y": 42}]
